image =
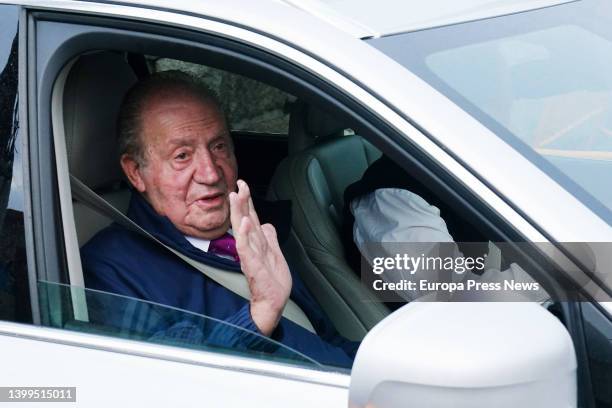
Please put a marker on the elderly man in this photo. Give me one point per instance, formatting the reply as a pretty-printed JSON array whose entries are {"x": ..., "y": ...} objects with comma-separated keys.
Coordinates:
[{"x": 177, "y": 153}]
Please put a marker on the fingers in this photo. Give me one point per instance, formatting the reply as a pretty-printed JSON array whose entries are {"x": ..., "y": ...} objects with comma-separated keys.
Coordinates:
[
  {"x": 274, "y": 250},
  {"x": 239, "y": 206},
  {"x": 242, "y": 238},
  {"x": 252, "y": 239},
  {"x": 252, "y": 212},
  {"x": 270, "y": 234},
  {"x": 244, "y": 192},
  {"x": 235, "y": 211},
  {"x": 242, "y": 205},
  {"x": 253, "y": 236}
]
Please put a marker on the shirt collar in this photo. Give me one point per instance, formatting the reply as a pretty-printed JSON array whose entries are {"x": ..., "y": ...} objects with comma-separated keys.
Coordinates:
[{"x": 202, "y": 244}]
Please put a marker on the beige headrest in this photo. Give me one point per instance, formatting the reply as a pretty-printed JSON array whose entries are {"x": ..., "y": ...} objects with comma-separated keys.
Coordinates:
[{"x": 93, "y": 93}]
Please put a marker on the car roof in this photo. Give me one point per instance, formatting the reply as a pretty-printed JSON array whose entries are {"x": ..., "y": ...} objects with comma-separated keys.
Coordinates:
[
  {"x": 362, "y": 18},
  {"x": 385, "y": 17}
]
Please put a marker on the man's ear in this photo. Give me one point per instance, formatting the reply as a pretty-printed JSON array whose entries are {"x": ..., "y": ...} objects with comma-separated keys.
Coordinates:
[{"x": 132, "y": 171}]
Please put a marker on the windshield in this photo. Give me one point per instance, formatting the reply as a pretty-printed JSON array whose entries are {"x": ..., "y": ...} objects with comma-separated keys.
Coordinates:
[{"x": 541, "y": 80}]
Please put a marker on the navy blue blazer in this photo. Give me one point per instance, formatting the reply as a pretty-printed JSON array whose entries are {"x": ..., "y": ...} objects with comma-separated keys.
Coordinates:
[{"x": 122, "y": 262}]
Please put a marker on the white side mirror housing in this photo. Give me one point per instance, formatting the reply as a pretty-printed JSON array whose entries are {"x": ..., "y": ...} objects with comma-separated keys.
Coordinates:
[{"x": 466, "y": 355}]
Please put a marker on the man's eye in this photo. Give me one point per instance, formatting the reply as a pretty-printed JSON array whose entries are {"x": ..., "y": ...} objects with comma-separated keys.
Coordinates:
[
  {"x": 219, "y": 147},
  {"x": 181, "y": 156}
]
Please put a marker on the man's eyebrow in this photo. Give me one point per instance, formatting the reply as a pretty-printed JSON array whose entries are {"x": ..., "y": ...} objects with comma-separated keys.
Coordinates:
[
  {"x": 179, "y": 141},
  {"x": 183, "y": 141}
]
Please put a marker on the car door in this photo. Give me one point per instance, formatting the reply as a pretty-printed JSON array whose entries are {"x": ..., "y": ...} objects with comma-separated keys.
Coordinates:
[
  {"x": 63, "y": 348},
  {"x": 191, "y": 376},
  {"x": 104, "y": 366}
]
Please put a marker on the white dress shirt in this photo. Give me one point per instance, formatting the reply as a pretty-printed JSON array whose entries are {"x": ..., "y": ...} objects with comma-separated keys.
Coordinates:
[
  {"x": 204, "y": 244},
  {"x": 201, "y": 244}
]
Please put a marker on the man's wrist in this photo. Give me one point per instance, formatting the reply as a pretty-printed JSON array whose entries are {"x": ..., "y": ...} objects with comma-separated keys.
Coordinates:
[{"x": 265, "y": 317}]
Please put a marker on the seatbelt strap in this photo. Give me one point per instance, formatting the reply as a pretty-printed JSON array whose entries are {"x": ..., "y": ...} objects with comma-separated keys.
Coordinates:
[{"x": 233, "y": 281}]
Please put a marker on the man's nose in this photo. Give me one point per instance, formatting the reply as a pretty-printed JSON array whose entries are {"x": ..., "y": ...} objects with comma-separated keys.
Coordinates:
[{"x": 207, "y": 171}]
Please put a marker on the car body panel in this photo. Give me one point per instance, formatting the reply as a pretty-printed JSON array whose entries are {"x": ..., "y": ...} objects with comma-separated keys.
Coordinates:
[
  {"x": 426, "y": 117},
  {"x": 399, "y": 16},
  {"x": 137, "y": 374}
]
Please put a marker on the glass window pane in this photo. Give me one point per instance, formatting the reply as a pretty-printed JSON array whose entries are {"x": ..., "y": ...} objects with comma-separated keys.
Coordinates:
[
  {"x": 136, "y": 319},
  {"x": 544, "y": 94},
  {"x": 538, "y": 79}
]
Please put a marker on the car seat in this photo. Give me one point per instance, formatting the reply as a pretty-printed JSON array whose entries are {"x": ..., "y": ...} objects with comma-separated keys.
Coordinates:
[
  {"x": 93, "y": 92},
  {"x": 322, "y": 163}
]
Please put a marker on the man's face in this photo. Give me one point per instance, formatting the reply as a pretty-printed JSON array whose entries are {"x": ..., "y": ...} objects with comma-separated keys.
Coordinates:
[{"x": 190, "y": 167}]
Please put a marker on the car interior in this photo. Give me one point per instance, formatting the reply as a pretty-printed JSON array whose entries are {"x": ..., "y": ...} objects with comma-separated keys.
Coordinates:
[
  {"x": 311, "y": 166},
  {"x": 310, "y": 176}
]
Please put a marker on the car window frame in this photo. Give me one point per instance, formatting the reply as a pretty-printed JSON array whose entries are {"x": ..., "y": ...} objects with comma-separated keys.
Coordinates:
[
  {"x": 394, "y": 145},
  {"x": 389, "y": 142},
  {"x": 406, "y": 152},
  {"x": 21, "y": 144},
  {"x": 53, "y": 201}
]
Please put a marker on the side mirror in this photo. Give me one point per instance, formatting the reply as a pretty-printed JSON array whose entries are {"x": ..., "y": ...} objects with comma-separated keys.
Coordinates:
[{"x": 466, "y": 355}]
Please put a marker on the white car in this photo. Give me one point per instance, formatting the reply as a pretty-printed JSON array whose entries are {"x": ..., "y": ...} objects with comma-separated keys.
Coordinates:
[{"x": 503, "y": 110}]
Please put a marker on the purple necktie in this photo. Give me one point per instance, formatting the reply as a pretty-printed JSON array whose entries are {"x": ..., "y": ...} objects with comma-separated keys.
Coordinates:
[{"x": 224, "y": 246}]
